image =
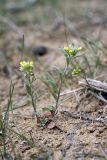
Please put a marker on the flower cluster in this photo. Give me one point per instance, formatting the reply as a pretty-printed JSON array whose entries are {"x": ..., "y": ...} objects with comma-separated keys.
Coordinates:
[
  {"x": 76, "y": 71},
  {"x": 26, "y": 67},
  {"x": 72, "y": 50}
]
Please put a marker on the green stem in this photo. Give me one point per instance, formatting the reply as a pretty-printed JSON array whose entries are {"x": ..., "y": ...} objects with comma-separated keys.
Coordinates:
[
  {"x": 59, "y": 91},
  {"x": 33, "y": 102},
  {"x": 32, "y": 95}
]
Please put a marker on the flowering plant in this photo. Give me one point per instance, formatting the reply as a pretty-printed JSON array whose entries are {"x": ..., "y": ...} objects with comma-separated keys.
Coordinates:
[{"x": 26, "y": 67}]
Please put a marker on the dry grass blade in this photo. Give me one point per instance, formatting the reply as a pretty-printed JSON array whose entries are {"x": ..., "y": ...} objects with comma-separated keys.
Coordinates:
[
  {"x": 68, "y": 91},
  {"x": 84, "y": 118}
]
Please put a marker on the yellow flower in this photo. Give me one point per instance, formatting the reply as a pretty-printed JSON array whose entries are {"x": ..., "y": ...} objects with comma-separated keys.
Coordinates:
[
  {"x": 76, "y": 71},
  {"x": 26, "y": 67},
  {"x": 72, "y": 50},
  {"x": 66, "y": 49},
  {"x": 79, "y": 49}
]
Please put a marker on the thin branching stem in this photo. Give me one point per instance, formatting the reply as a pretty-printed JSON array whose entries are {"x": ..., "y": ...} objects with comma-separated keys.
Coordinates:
[
  {"x": 59, "y": 90},
  {"x": 31, "y": 94}
]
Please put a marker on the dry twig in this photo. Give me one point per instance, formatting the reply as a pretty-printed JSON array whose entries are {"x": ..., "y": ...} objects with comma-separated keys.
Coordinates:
[
  {"x": 85, "y": 118},
  {"x": 97, "y": 88}
]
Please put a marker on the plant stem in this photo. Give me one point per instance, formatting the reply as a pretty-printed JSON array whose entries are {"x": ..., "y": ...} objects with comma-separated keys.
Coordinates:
[
  {"x": 33, "y": 102},
  {"x": 59, "y": 91},
  {"x": 32, "y": 95}
]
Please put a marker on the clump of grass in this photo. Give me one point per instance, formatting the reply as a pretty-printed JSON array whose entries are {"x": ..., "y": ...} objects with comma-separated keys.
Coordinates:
[
  {"x": 4, "y": 118},
  {"x": 93, "y": 62},
  {"x": 5, "y": 129}
]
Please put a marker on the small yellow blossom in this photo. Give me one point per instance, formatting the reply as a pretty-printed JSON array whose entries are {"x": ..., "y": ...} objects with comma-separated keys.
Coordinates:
[
  {"x": 71, "y": 50},
  {"x": 79, "y": 49},
  {"x": 76, "y": 71},
  {"x": 26, "y": 67},
  {"x": 66, "y": 49}
]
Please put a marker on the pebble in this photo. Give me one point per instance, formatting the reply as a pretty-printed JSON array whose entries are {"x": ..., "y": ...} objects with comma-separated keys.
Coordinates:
[{"x": 40, "y": 51}]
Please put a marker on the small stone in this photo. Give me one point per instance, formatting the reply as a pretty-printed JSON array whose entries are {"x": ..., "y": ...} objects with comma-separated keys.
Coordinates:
[
  {"x": 51, "y": 125},
  {"x": 40, "y": 51}
]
